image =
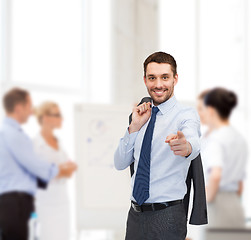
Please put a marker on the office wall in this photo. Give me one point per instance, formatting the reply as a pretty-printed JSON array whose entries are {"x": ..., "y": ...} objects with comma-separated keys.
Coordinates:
[{"x": 134, "y": 36}]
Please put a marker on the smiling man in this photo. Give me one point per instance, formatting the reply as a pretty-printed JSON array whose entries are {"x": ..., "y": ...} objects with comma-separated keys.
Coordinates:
[{"x": 162, "y": 140}]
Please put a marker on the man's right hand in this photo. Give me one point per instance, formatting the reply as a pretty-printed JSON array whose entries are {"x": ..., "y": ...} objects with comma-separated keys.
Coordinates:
[
  {"x": 66, "y": 169},
  {"x": 140, "y": 116}
]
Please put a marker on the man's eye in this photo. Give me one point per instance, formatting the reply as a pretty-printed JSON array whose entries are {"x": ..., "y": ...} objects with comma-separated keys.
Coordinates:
[
  {"x": 165, "y": 78},
  {"x": 151, "y": 78}
]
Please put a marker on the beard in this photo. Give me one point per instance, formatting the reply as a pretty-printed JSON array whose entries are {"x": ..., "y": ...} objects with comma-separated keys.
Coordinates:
[{"x": 167, "y": 94}]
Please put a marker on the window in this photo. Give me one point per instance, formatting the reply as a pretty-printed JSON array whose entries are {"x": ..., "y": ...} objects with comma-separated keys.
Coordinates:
[
  {"x": 45, "y": 45},
  {"x": 98, "y": 63}
]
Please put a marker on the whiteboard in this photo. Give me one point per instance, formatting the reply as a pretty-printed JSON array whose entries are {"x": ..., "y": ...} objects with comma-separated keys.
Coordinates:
[{"x": 102, "y": 192}]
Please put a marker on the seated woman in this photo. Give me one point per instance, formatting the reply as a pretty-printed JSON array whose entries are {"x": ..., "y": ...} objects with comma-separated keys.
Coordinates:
[{"x": 53, "y": 204}]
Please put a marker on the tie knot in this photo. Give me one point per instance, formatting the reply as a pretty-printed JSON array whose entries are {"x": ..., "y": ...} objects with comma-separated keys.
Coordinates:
[{"x": 155, "y": 110}]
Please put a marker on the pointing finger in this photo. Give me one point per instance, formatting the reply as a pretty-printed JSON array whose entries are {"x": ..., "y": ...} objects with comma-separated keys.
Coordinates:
[{"x": 170, "y": 137}]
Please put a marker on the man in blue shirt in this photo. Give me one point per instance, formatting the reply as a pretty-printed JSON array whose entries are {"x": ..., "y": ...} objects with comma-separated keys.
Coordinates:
[
  {"x": 20, "y": 168},
  {"x": 162, "y": 140}
]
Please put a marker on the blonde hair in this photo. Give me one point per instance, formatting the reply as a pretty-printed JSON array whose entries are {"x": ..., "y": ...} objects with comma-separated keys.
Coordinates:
[{"x": 44, "y": 109}]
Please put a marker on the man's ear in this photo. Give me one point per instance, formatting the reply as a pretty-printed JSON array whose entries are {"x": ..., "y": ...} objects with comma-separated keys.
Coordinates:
[
  {"x": 17, "y": 108},
  {"x": 175, "y": 79},
  {"x": 145, "y": 80}
]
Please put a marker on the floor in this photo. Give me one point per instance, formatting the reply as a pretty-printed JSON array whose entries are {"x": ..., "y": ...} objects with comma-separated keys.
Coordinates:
[{"x": 101, "y": 234}]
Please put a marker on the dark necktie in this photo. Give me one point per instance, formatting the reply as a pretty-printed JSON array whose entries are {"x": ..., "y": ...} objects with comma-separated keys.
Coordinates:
[{"x": 142, "y": 179}]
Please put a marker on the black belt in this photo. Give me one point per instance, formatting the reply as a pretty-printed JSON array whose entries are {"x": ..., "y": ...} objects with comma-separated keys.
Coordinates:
[
  {"x": 16, "y": 194},
  {"x": 154, "y": 206}
]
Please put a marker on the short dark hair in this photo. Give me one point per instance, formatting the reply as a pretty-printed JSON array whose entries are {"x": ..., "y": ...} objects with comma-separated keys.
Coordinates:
[
  {"x": 13, "y": 97},
  {"x": 161, "y": 57},
  {"x": 222, "y": 100}
]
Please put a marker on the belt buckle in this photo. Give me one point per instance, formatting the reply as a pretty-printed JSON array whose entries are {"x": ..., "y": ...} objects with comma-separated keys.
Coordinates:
[{"x": 136, "y": 209}]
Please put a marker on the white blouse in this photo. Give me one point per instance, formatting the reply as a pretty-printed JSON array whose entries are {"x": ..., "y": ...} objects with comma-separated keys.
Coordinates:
[
  {"x": 56, "y": 191},
  {"x": 225, "y": 148}
]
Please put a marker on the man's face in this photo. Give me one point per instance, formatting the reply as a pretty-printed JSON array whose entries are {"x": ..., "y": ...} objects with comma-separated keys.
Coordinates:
[
  {"x": 202, "y": 111},
  {"x": 160, "y": 82},
  {"x": 25, "y": 110}
]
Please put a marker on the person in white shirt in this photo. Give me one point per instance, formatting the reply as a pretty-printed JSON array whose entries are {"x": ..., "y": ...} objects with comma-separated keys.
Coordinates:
[
  {"x": 52, "y": 204},
  {"x": 224, "y": 156}
]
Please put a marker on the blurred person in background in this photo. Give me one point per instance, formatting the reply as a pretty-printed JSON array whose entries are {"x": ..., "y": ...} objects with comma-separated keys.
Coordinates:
[
  {"x": 206, "y": 128},
  {"x": 53, "y": 205},
  {"x": 224, "y": 155},
  {"x": 202, "y": 109},
  {"x": 21, "y": 169}
]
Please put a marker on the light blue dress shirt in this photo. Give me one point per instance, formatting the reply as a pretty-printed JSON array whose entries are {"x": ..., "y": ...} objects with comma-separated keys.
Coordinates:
[
  {"x": 19, "y": 165},
  {"x": 168, "y": 172}
]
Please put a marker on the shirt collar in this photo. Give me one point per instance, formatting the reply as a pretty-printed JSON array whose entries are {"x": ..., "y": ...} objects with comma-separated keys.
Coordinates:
[
  {"x": 14, "y": 123},
  {"x": 167, "y": 105}
]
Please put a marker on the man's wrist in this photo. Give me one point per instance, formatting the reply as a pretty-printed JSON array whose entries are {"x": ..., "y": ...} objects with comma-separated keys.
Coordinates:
[
  {"x": 189, "y": 149},
  {"x": 133, "y": 128}
]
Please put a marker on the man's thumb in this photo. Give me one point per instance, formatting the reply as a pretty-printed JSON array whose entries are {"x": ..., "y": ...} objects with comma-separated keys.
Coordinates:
[{"x": 180, "y": 134}]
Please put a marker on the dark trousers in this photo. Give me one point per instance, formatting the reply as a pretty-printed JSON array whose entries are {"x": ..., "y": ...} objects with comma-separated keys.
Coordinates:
[
  {"x": 15, "y": 210},
  {"x": 167, "y": 224}
]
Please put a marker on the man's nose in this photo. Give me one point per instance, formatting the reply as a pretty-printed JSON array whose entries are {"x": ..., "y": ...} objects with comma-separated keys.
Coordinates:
[{"x": 158, "y": 83}]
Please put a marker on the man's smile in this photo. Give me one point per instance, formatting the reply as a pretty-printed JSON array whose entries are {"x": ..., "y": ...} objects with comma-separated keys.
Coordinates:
[{"x": 159, "y": 93}]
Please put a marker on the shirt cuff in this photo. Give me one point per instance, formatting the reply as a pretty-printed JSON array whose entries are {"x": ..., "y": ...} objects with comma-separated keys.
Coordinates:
[
  {"x": 54, "y": 171},
  {"x": 195, "y": 149},
  {"x": 129, "y": 139}
]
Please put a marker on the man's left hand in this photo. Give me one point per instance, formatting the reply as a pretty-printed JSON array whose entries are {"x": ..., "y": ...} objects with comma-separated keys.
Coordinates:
[{"x": 178, "y": 144}]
